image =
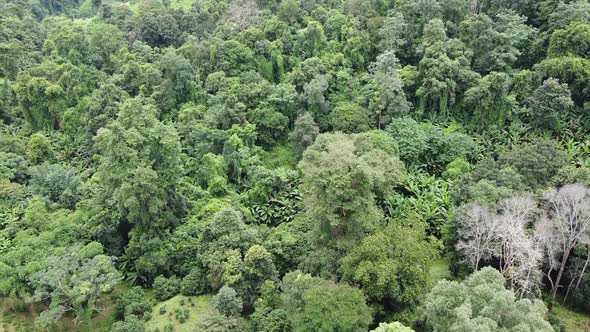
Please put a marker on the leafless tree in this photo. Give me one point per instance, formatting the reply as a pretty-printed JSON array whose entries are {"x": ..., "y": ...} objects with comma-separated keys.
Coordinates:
[
  {"x": 547, "y": 240},
  {"x": 519, "y": 257},
  {"x": 514, "y": 215},
  {"x": 578, "y": 268},
  {"x": 569, "y": 209},
  {"x": 477, "y": 230},
  {"x": 504, "y": 236}
]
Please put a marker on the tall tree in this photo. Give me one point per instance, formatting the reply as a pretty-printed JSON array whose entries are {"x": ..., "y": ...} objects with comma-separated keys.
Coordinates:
[
  {"x": 72, "y": 282},
  {"x": 389, "y": 97},
  {"x": 549, "y": 104},
  {"x": 340, "y": 184},
  {"x": 567, "y": 225},
  {"x": 139, "y": 167},
  {"x": 391, "y": 266}
]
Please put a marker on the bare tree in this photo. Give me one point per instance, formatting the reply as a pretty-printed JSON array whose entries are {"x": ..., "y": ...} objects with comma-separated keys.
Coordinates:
[
  {"x": 477, "y": 230},
  {"x": 515, "y": 214},
  {"x": 547, "y": 240},
  {"x": 569, "y": 208},
  {"x": 578, "y": 268},
  {"x": 505, "y": 236},
  {"x": 519, "y": 257},
  {"x": 581, "y": 275}
]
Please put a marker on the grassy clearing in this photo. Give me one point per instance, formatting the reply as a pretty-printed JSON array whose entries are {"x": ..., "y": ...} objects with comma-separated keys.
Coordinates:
[
  {"x": 197, "y": 307},
  {"x": 573, "y": 321},
  {"x": 281, "y": 155},
  {"x": 440, "y": 270}
]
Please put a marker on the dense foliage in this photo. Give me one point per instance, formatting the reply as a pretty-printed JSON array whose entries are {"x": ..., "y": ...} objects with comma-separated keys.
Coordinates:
[{"x": 305, "y": 165}]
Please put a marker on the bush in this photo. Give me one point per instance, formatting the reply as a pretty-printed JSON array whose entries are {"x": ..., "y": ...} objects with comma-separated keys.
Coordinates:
[
  {"x": 181, "y": 314},
  {"x": 581, "y": 297},
  {"x": 131, "y": 324},
  {"x": 227, "y": 301},
  {"x": 217, "y": 322},
  {"x": 133, "y": 302},
  {"x": 265, "y": 319},
  {"x": 163, "y": 310},
  {"x": 165, "y": 288},
  {"x": 56, "y": 183},
  {"x": 194, "y": 283}
]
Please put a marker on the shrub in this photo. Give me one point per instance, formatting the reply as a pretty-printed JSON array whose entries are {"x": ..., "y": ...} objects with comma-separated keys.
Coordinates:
[
  {"x": 133, "y": 302},
  {"x": 194, "y": 283},
  {"x": 227, "y": 301},
  {"x": 165, "y": 288},
  {"x": 181, "y": 314},
  {"x": 265, "y": 319},
  {"x": 131, "y": 324}
]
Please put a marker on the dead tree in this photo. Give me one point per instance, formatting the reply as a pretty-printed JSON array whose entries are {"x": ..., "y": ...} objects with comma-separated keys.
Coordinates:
[{"x": 569, "y": 208}]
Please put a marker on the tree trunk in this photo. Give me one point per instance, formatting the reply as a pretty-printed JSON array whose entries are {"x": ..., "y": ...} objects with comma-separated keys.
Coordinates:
[
  {"x": 474, "y": 7},
  {"x": 561, "y": 268},
  {"x": 583, "y": 269}
]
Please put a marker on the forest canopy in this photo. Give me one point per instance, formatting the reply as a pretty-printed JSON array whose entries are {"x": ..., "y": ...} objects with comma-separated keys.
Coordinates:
[{"x": 295, "y": 165}]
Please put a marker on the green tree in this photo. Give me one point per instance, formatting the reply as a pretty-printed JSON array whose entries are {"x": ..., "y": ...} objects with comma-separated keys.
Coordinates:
[
  {"x": 444, "y": 70},
  {"x": 537, "y": 161},
  {"x": 389, "y": 98},
  {"x": 332, "y": 307},
  {"x": 483, "y": 302},
  {"x": 94, "y": 111},
  {"x": 573, "y": 40},
  {"x": 132, "y": 302},
  {"x": 290, "y": 11},
  {"x": 549, "y": 104},
  {"x": 194, "y": 283},
  {"x": 340, "y": 184},
  {"x": 265, "y": 319},
  {"x": 39, "y": 149},
  {"x": 156, "y": 26},
  {"x": 57, "y": 183},
  {"x": 392, "y": 327},
  {"x": 72, "y": 282},
  {"x": 572, "y": 70},
  {"x": 304, "y": 133},
  {"x": 491, "y": 100},
  {"x": 215, "y": 321},
  {"x": 41, "y": 101},
  {"x": 68, "y": 41},
  {"x": 350, "y": 117},
  {"x": 139, "y": 166},
  {"x": 178, "y": 81},
  {"x": 314, "y": 94},
  {"x": 225, "y": 240},
  {"x": 497, "y": 44},
  {"x": 227, "y": 301},
  {"x": 392, "y": 266},
  {"x": 104, "y": 40},
  {"x": 165, "y": 288},
  {"x": 393, "y": 33},
  {"x": 130, "y": 324},
  {"x": 270, "y": 125},
  {"x": 311, "y": 40}
]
